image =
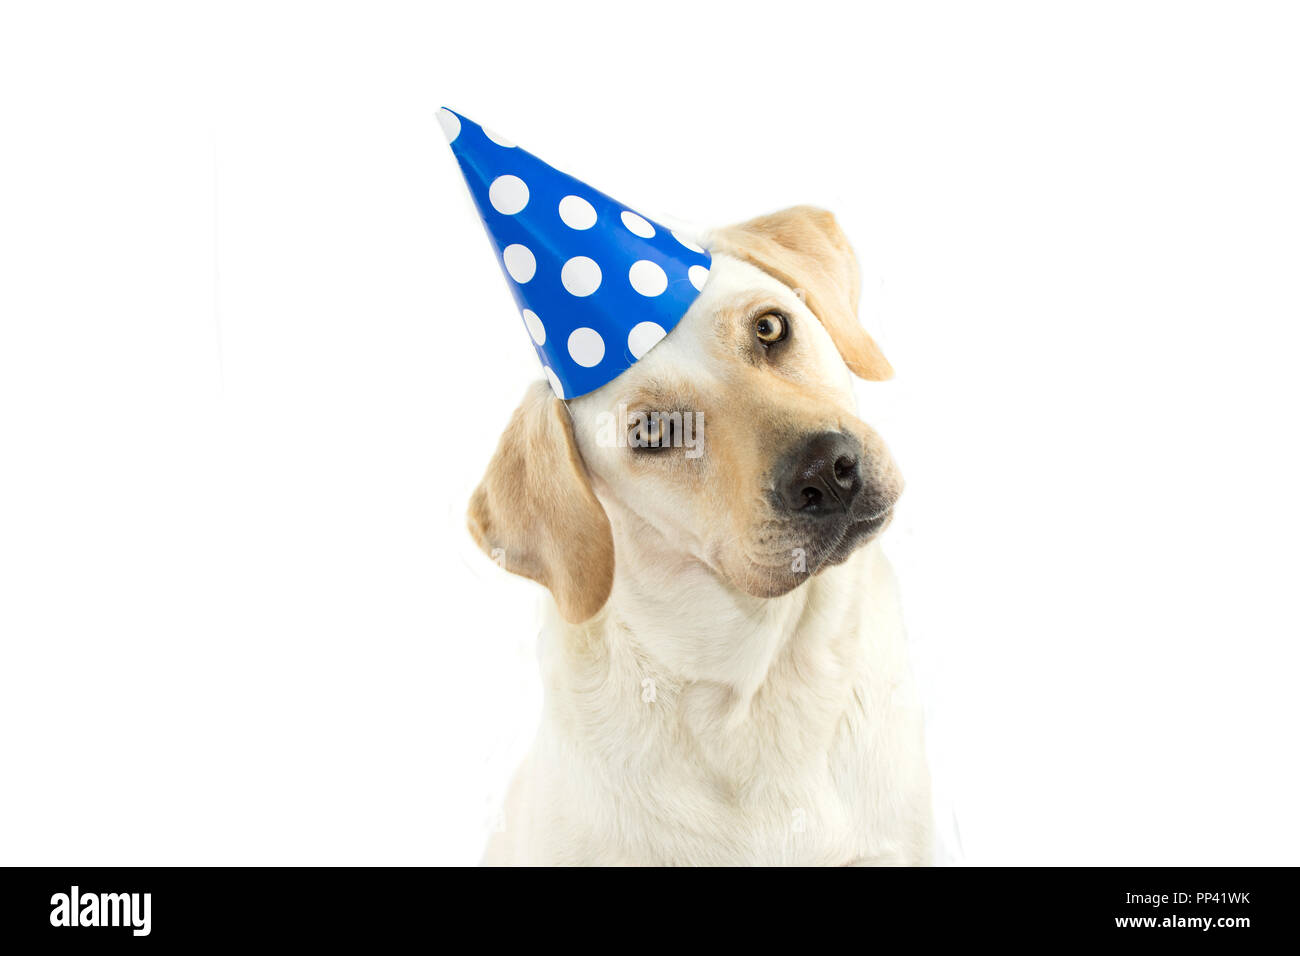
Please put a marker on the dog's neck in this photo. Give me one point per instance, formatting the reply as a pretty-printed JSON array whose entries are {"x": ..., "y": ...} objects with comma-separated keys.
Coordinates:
[
  {"x": 687, "y": 624},
  {"x": 678, "y": 658}
]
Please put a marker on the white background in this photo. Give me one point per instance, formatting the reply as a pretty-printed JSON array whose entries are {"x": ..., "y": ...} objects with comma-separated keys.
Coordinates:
[{"x": 255, "y": 352}]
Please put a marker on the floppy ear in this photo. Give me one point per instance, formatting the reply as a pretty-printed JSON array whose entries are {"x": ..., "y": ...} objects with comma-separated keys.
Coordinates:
[
  {"x": 805, "y": 248},
  {"x": 535, "y": 514}
]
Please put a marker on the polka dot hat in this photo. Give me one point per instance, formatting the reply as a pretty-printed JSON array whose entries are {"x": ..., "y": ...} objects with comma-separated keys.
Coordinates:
[{"x": 596, "y": 283}]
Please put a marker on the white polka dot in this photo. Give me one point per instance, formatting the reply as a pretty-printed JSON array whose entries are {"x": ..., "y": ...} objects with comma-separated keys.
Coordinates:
[
  {"x": 643, "y": 337},
  {"x": 687, "y": 243},
  {"x": 508, "y": 194},
  {"x": 520, "y": 262},
  {"x": 581, "y": 276},
  {"x": 577, "y": 213},
  {"x": 498, "y": 138},
  {"x": 535, "y": 327},
  {"x": 450, "y": 123},
  {"x": 586, "y": 347},
  {"x": 556, "y": 387},
  {"x": 637, "y": 226},
  {"x": 698, "y": 276},
  {"x": 647, "y": 277}
]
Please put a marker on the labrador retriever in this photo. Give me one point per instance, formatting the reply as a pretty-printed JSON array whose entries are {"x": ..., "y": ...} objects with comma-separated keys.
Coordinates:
[{"x": 724, "y": 659}]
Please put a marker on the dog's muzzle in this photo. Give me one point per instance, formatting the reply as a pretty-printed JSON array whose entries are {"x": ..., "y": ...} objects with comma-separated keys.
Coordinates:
[{"x": 822, "y": 486}]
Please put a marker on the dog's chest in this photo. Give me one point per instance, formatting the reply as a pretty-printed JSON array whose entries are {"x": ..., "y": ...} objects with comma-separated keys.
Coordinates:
[
  {"x": 805, "y": 782},
  {"x": 820, "y": 761},
  {"x": 774, "y": 788}
]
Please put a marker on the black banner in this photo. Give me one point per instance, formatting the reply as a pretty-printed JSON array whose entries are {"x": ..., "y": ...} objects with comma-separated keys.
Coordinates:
[{"x": 142, "y": 907}]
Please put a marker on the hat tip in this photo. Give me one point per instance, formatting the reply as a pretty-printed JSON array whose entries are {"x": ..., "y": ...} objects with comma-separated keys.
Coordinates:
[{"x": 450, "y": 123}]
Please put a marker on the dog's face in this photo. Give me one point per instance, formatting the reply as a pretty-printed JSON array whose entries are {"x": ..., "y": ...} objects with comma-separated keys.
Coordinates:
[{"x": 734, "y": 442}]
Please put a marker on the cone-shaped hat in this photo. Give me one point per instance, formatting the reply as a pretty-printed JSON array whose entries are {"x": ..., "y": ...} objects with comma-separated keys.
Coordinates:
[{"x": 597, "y": 284}]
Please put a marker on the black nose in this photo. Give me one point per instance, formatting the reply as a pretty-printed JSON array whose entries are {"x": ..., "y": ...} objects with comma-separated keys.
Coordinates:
[{"x": 823, "y": 476}]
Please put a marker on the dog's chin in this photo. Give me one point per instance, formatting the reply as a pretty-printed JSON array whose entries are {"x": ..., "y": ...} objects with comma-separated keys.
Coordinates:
[
  {"x": 832, "y": 550},
  {"x": 857, "y": 533}
]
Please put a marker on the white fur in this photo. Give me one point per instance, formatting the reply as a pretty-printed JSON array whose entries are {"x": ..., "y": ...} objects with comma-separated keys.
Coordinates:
[{"x": 690, "y": 723}]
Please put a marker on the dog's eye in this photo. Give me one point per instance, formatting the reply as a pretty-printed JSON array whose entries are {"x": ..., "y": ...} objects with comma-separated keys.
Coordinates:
[
  {"x": 771, "y": 327},
  {"x": 651, "y": 433}
]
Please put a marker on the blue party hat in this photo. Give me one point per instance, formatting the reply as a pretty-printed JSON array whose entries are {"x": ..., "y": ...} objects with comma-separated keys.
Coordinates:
[{"x": 597, "y": 284}]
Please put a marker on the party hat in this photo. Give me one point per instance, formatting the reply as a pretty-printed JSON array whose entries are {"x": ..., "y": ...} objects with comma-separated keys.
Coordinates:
[{"x": 597, "y": 284}]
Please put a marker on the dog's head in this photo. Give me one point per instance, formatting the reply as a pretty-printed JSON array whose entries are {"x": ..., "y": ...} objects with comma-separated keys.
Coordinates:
[{"x": 733, "y": 443}]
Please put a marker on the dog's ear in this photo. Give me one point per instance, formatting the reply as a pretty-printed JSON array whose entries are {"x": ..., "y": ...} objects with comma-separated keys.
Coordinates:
[
  {"x": 535, "y": 513},
  {"x": 805, "y": 248}
]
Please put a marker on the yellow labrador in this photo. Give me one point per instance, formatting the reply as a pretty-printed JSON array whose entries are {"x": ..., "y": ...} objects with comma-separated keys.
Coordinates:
[{"x": 725, "y": 670}]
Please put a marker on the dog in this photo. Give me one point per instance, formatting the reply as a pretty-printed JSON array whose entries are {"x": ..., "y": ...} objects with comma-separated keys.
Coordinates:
[{"x": 724, "y": 657}]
